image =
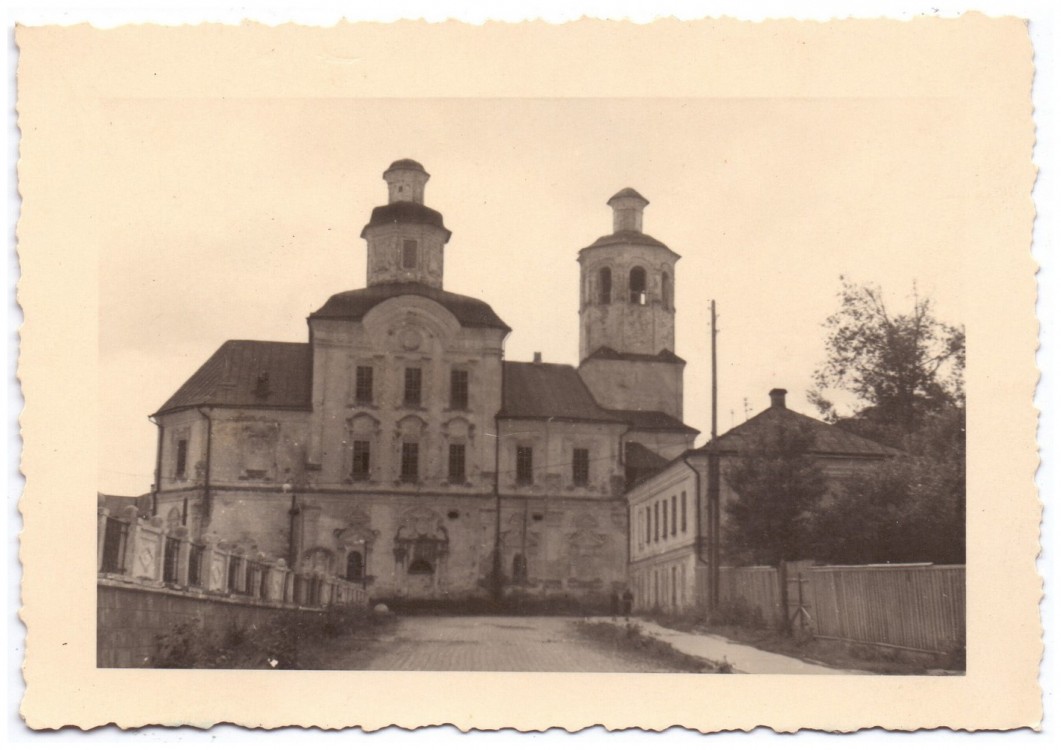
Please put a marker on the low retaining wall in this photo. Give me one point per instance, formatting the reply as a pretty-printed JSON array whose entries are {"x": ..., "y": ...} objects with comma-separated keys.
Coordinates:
[{"x": 129, "y": 617}]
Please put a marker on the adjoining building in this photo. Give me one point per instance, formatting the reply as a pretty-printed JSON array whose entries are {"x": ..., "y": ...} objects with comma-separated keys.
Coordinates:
[
  {"x": 397, "y": 448},
  {"x": 670, "y": 524}
]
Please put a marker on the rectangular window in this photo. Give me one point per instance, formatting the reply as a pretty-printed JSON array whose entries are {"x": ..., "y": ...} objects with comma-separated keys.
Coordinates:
[
  {"x": 362, "y": 459},
  {"x": 409, "y": 252},
  {"x": 524, "y": 464},
  {"x": 648, "y": 526},
  {"x": 456, "y": 463},
  {"x": 413, "y": 383},
  {"x": 182, "y": 458},
  {"x": 655, "y": 522},
  {"x": 674, "y": 515},
  {"x": 580, "y": 467},
  {"x": 410, "y": 462},
  {"x": 363, "y": 388},
  {"x": 684, "y": 526},
  {"x": 458, "y": 389},
  {"x": 665, "y": 524}
]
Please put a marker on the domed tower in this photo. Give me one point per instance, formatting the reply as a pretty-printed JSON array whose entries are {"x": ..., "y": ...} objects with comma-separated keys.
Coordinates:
[
  {"x": 626, "y": 315},
  {"x": 406, "y": 239}
]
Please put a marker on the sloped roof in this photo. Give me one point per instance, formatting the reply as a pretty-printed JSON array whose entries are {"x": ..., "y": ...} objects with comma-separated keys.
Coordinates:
[
  {"x": 628, "y": 192},
  {"x": 651, "y": 421},
  {"x": 353, "y": 305},
  {"x": 265, "y": 374},
  {"x": 405, "y": 212},
  {"x": 642, "y": 460},
  {"x": 664, "y": 355},
  {"x": 628, "y": 237},
  {"x": 545, "y": 391},
  {"x": 828, "y": 439}
]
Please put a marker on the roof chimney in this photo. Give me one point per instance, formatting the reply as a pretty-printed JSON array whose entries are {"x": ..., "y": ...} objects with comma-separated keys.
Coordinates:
[
  {"x": 777, "y": 398},
  {"x": 537, "y": 358}
]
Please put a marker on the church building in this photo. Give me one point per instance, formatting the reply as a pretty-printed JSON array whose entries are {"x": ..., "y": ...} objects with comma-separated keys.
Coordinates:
[{"x": 398, "y": 448}]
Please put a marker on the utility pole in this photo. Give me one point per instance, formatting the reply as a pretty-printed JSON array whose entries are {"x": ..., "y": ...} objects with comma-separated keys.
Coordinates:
[{"x": 714, "y": 515}]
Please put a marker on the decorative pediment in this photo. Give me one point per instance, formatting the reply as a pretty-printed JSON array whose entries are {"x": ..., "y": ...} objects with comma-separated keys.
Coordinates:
[{"x": 362, "y": 423}]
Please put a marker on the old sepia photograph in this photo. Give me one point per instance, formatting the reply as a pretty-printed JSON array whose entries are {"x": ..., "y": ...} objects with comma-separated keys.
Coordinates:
[
  {"x": 406, "y": 486},
  {"x": 526, "y": 383}
]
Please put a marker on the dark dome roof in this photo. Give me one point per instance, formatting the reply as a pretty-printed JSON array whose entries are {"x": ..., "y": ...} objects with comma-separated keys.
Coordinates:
[
  {"x": 405, "y": 212},
  {"x": 628, "y": 237},
  {"x": 406, "y": 164},
  {"x": 353, "y": 305},
  {"x": 628, "y": 193}
]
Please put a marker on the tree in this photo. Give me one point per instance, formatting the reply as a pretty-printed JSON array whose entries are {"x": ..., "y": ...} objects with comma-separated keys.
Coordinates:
[
  {"x": 905, "y": 372},
  {"x": 777, "y": 486},
  {"x": 898, "y": 367}
]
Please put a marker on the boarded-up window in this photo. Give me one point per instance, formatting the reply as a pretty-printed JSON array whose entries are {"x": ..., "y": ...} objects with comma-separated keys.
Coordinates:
[
  {"x": 413, "y": 386},
  {"x": 410, "y": 461},
  {"x": 458, "y": 389},
  {"x": 456, "y": 463},
  {"x": 580, "y": 467},
  {"x": 363, "y": 389},
  {"x": 362, "y": 459},
  {"x": 409, "y": 253},
  {"x": 524, "y": 464}
]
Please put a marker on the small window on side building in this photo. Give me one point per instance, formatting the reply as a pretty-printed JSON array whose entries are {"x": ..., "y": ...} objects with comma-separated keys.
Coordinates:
[
  {"x": 580, "y": 467},
  {"x": 182, "y": 459},
  {"x": 524, "y": 464}
]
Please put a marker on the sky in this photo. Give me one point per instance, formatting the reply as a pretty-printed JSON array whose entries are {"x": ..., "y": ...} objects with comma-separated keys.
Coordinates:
[{"x": 237, "y": 218}]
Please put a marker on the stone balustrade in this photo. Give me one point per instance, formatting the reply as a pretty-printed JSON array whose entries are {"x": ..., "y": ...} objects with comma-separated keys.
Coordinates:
[{"x": 144, "y": 552}]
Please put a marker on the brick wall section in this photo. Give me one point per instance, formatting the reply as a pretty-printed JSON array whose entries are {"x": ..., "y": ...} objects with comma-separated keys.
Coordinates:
[{"x": 129, "y": 617}]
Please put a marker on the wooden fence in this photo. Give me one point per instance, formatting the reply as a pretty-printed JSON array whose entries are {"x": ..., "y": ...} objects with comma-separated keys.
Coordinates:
[
  {"x": 755, "y": 588},
  {"x": 917, "y": 607}
]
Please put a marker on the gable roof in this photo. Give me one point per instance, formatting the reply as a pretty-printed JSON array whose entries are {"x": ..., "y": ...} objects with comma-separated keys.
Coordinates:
[
  {"x": 535, "y": 390},
  {"x": 828, "y": 439},
  {"x": 231, "y": 377},
  {"x": 651, "y": 421},
  {"x": 355, "y": 304}
]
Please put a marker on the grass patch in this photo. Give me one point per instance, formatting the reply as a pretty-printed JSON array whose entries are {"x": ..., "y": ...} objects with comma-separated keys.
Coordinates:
[
  {"x": 746, "y": 629},
  {"x": 290, "y": 639},
  {"x": 629, "y": 638}
]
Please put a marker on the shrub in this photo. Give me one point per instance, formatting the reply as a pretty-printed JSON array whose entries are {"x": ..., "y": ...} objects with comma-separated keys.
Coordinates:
[{"x": 739, "y": 612}]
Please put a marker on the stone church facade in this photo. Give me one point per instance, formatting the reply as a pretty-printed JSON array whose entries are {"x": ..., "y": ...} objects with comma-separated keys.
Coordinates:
[{"x": 398, "y": 448}]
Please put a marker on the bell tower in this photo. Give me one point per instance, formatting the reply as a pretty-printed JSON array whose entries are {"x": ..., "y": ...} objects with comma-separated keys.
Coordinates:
[
  {"x": 626, "y": 315},
  {"x": 406, "y": 239}
]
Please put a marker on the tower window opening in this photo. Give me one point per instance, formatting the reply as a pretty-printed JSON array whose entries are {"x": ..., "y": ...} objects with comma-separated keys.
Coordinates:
[
  {"x": 605, "y": 291},
  {"x": 409, "y": 253},
  {"x": 666, "y": 291},
  {"x": 637, "y": 285},
  {"x": 182, "y": 459}
]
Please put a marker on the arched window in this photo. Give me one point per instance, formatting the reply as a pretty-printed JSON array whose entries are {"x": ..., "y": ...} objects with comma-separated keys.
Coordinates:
[
  {"x": 637, "y": 285},
  {"x": 665, "y": 291},
  {"x": 605, "y": 290},
  {"x": 519, "y": 568},
  {"x": 355, "y": 566}
]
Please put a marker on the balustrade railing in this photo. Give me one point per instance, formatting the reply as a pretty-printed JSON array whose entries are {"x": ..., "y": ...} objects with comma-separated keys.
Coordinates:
[{"x": 135, "y": 550}]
